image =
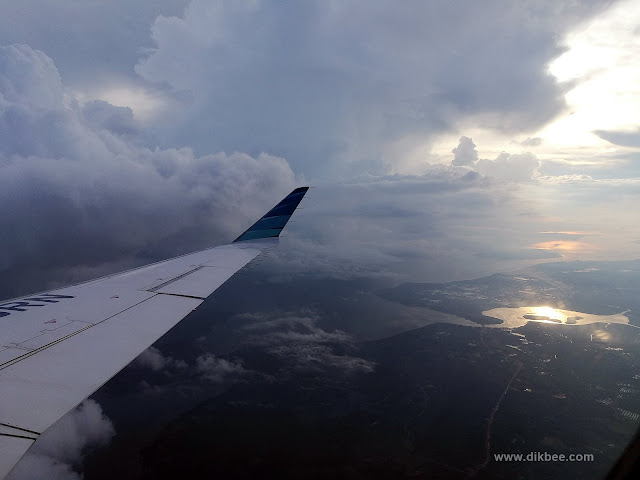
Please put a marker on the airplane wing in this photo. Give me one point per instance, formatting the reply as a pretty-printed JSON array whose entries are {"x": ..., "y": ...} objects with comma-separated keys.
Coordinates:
[{"x": 58, "y": 347}]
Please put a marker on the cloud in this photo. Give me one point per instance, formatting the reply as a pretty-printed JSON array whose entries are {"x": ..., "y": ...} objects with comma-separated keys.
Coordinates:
[
  {"x": 336, "y": 88},
  {"x": 532, "y": 142},
  {"x": 305, "y": 346},
  {"x": 314, "y": 357},
  {"x": 465, "y": 153},
  {"x": 100, "y": 114},
  {"x": 514, "y": 167},
  {"x": 60, "y": 450},
  {"x": 218, "y": 370},
  {"x": 450, "y": 223},
  {"x": 622, "y": 138},
  {"x": 94, "y": 194},
  {"x": 520, "y": 254},
  {"x": 506, "y": 166},
  {"x": 334, "y": 92},
  {"x": 295, "y": 329},
  {"x": 100, "y": 45},
  {"x": 154, "y": 359}
]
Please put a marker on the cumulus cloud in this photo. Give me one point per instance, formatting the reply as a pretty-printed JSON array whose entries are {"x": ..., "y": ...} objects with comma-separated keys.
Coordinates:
[
  {"x": 532, "y": 142},
  {"x": 465, "y": 153},
  {"x": 334, "y": 87},
  {"x": 515, "y": 167},
  {"x": 154, "y": 359},
  {"x": 59, "y": 451},
  {"x": 295, "y": 329},
  {"x": 92, "y": 193},
  {"x": 331, "y": 92},
  {"x": 218, "y": 370},
  {"x": 102, "y": 43},
  {"x": 101, "y": 114},
  {"x": 304, "y": 345},
  {"x": 506, "y": 166}
]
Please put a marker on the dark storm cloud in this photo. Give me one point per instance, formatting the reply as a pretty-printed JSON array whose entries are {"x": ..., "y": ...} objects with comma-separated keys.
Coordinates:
[
  {"x": 331, "y": 85},
  {"x": 101, "y": 114},
  {"x": 77, "y": 189},
  {"x": 91, "y": 42}
]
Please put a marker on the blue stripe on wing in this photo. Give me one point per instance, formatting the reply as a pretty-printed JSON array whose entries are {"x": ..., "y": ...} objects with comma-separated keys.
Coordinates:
[{"x": 272, "y": 223}]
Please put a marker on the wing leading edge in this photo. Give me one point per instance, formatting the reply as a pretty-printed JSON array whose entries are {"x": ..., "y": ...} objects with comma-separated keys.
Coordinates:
[{"x": 58, "y": 347}]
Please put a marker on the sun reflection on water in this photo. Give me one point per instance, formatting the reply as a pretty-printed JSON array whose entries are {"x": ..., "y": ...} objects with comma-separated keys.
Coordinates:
[
  {"x": 516, "y": 317},
  {"x": 546, "y": 314}
]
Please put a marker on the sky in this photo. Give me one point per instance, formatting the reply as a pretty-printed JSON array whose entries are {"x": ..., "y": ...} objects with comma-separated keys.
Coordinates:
[{"x": 443, "y": 140}]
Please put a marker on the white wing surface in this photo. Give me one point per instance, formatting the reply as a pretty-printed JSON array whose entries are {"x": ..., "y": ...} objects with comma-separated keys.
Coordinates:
[{"x": 58, "y": 347}]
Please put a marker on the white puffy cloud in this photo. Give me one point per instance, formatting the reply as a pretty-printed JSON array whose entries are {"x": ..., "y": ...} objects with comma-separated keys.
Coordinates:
[
  {"x": 465, "y": 153},
  {"x": 60, "y": 449},
  {"x": 514, "y": 167},
  {"x": 77, "y": 187},
  {"x": 299, "y": 340},
  {"x": 218, "y": 370},
  {"x": 154, "y": 359},
  {"x": 517, "y": 167},
  {"x": 296, "y": 329}
]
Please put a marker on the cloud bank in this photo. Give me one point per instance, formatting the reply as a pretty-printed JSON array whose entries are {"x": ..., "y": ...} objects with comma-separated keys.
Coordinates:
[
  {"x": 341, "y": 87},
  {"x": 343, "y": 92},
  {"x": 78, "y": 188}
]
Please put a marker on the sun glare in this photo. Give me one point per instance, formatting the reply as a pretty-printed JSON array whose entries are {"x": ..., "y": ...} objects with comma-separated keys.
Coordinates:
[
  {"x": 143, "y": 103},
  {"x": 550, "y": 313},
  {"x": 601, "y": 59}
]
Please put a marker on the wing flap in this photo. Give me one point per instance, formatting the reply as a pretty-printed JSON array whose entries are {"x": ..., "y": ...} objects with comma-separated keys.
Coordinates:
[{"x": 199, "y": 283}]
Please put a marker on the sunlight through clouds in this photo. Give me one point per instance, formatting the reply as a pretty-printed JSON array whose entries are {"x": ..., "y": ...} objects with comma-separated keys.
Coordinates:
[{"x": 602, "y": 63}]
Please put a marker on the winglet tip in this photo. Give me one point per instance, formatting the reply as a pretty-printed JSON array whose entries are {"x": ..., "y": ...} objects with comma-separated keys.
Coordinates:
[{"x": 272, "y": 223}]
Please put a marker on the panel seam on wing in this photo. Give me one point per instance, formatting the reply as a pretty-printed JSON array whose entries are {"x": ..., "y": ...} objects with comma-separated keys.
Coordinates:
[
  {"x": 8, "y": 425},
  {"x": 175, "y": 279},
  {"x": 39, "y": 349},
  {"x": 181, "y": 295},
  {"x": 17, "y": 436}
]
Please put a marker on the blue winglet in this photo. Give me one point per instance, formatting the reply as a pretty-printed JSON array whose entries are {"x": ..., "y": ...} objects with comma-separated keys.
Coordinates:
[{"x": 274, "y": 221}]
